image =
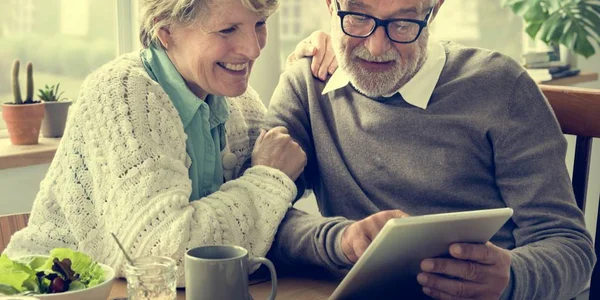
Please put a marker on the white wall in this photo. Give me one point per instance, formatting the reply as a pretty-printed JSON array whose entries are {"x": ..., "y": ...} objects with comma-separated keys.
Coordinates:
[{"x": 265, "y": 72}]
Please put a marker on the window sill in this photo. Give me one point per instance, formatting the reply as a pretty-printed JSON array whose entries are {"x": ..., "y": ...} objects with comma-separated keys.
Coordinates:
[{"x": 12, "y": 156}]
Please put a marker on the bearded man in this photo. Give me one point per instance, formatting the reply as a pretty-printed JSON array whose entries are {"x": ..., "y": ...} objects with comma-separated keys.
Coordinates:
[{"x": 408, "y": 125}]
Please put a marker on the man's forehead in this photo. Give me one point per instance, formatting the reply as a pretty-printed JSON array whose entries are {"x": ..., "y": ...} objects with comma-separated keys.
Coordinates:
[{"x": 403, "y": 6}]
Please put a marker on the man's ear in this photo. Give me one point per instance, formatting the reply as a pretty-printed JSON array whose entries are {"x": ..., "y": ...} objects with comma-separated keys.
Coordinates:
[
  {"x": 329, "y": 6},
  {"x": 436, "y": 9}
]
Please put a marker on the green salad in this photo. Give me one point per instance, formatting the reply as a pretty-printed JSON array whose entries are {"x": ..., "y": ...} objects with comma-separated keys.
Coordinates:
[{"x": 64, "y": 270}]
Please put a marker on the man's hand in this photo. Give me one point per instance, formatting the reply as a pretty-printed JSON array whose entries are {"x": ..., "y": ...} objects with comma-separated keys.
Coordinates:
[
  {"x": 476, "y": 271},
  {"x": 358, "y": 236},
  {"x": 278, "y": 150},
  {"x": 317, "y": 45}
]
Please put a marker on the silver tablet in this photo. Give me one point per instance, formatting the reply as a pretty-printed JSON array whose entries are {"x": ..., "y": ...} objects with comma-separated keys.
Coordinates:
[{"x": 390, "y": 265}]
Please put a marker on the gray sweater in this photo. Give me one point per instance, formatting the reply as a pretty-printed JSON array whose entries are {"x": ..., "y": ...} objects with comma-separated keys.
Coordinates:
[{"x": 488, "y": 139}]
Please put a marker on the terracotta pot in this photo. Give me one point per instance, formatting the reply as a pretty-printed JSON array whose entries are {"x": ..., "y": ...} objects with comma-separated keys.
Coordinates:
[
  {"x": 53, "y": 125},
  {"x": 23, "y": 122}
]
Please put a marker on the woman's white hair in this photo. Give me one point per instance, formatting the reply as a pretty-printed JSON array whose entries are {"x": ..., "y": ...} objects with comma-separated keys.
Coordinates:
[{"x": 156, "y": 14}]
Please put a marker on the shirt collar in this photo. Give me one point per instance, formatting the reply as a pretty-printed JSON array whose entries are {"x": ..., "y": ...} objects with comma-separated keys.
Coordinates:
[
  {"x": 419, "y": 89},
  {"x": 161, "y": 69},
  {"x": 219, "y": 110}
]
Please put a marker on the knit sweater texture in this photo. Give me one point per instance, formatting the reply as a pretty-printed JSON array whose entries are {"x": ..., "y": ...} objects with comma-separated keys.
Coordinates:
[
  {"x": 122, "y": 167},
  {"x": 487, "y": 139}
]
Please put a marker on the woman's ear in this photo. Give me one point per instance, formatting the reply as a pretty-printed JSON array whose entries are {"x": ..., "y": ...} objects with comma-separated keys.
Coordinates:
[{"x": 165, "y": 37}]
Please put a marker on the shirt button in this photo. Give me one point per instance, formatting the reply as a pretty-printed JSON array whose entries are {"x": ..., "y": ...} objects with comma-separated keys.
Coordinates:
[{"x": 229, "y": 161}]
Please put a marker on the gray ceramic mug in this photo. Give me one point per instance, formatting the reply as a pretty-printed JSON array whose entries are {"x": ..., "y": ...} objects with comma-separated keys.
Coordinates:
[{"x": 221, "y": 272}]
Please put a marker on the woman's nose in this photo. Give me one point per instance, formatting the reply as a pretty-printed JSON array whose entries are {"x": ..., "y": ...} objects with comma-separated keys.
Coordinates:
[{"x": 250, "y": 46}]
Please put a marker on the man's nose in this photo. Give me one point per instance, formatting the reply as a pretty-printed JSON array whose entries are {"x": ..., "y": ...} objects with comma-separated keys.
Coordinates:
[{"x": 378, "y": 43}]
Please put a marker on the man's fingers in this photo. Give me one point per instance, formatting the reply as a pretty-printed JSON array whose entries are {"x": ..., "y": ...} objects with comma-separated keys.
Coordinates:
[
  {"x": 467, "y": 270},
  {"x": 487, "y": 253},
  {"x": 436, "y": 294},
  {"x": 360, "y": 246},
  {"x": 372, "y": 225},
  {"x": 400, "y": 214},
  {"x": 456, "y": 289}
]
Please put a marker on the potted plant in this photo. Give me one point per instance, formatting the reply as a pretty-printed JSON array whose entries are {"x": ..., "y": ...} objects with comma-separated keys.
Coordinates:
[
  {"x": 23, "y": 118},
  {"x": 574, "y": 24},
  {"x": 57, "y": 109}
]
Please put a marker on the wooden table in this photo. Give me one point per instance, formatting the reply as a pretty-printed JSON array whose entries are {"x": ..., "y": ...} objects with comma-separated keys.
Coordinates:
[{"x": 289, "y": 288}]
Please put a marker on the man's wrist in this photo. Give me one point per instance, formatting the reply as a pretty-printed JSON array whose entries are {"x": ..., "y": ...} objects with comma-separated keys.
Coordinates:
[{"x": 338, "y": 249}]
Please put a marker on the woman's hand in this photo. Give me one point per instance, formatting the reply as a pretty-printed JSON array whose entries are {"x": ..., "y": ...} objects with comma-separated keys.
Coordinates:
[
  {"x": 278, "y": 150},
  {"x": 317, "y": 45}
]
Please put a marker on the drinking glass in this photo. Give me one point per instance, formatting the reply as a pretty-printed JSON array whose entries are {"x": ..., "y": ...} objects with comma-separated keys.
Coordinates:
[{"x": 152, "y": 277}]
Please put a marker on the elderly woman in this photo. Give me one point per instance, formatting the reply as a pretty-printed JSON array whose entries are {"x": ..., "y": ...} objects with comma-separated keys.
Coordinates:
[{"x": 158, "y": 140}]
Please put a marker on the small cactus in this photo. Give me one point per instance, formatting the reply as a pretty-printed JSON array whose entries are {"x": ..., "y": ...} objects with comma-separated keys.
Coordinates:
[
  {"x": 29, "y": 95},
  {"x": 15, "y": 83}
]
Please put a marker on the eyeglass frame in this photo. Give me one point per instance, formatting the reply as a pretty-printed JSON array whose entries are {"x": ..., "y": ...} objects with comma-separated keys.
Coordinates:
[{"x": 384, "y": 23}]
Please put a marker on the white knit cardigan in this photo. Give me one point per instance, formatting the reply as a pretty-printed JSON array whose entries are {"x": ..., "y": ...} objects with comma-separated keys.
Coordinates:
[{"x": 122, "y": 167}]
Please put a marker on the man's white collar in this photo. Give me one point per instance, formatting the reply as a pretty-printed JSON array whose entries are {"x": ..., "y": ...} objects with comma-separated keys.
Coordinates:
[{"x": 419, "y": 89}]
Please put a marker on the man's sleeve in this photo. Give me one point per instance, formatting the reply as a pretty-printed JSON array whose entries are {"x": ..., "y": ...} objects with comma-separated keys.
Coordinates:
[
  {"x": 303, "y": 238},
  {"x": 554, "y": 256}
]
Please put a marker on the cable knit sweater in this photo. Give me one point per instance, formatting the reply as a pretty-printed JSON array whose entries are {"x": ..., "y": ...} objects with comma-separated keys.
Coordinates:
[{"x": 122, "y": 167}]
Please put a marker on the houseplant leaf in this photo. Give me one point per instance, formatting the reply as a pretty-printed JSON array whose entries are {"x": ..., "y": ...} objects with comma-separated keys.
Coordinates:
[{"x": 573, "y": 23}]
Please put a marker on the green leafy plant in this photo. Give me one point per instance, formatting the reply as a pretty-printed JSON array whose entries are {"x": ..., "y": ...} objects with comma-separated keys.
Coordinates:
[
  {"x": 50, "y": 93},
  {"x": 16, "y": 89},
  {"x": 572, "y": 23}
]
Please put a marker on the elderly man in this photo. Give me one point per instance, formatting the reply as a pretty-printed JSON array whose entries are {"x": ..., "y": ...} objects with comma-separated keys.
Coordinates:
[{"x": 409, "y": 125}]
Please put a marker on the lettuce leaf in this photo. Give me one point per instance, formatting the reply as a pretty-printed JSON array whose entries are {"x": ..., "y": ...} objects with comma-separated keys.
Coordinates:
[
  {"x": 90, "y": 273},
  {"x": 16, "y": 275},
  {"x": 37, "y": 273}
]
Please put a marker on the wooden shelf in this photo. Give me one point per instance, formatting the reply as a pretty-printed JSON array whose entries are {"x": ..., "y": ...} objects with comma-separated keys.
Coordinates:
[
  {"x": 12, "y": 156},
  {"x": 581, "y": 78}
]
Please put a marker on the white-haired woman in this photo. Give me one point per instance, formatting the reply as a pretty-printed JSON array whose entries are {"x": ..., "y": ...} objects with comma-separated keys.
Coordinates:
[{"x": 158, "y": 140}]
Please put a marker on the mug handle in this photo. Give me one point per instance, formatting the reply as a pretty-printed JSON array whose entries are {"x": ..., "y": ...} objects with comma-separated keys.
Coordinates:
[{"x": 269, "y": 264}]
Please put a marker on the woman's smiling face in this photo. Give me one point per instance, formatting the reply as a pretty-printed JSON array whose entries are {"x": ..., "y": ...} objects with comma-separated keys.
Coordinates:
[{"x": 215, "y": 54}]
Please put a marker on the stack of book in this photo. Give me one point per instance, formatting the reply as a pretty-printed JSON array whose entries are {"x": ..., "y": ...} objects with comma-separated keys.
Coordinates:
[{"x": 547, "y": 65}]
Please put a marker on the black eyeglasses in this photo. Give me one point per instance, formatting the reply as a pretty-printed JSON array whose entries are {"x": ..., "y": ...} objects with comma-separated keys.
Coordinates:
[{"x": 359, "y": 25}]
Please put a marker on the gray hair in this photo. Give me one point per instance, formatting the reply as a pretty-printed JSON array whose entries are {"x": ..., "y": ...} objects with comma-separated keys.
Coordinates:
[{"x": 156, "y": 14}]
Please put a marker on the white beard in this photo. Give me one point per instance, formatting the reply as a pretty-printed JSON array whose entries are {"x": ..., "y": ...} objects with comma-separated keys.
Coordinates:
[{"x": 376, "y": 84}]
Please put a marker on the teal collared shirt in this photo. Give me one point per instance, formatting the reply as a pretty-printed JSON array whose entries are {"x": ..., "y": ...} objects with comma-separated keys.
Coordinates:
[{"x": 203, "y": 122}]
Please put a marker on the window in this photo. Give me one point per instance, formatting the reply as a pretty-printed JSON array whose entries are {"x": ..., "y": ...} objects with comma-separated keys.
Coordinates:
[
  {"x": 64, "y": 39},
  {"x": 484, "y": 24},
  {"x": 301, "y": 18}
]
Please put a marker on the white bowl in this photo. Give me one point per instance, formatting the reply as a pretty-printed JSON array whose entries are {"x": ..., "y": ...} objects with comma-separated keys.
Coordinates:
[{"x": 98, "y": 292}]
